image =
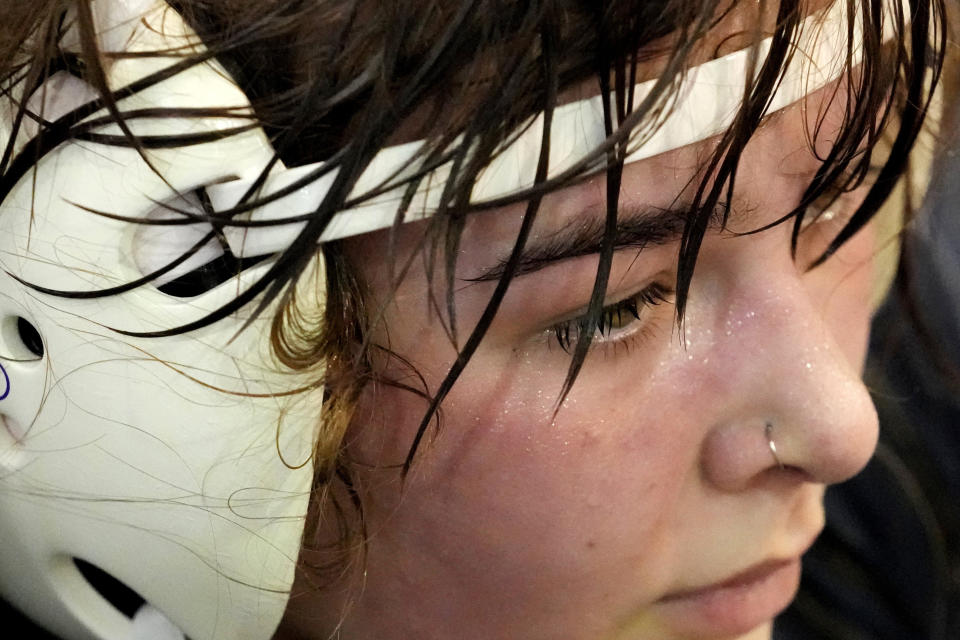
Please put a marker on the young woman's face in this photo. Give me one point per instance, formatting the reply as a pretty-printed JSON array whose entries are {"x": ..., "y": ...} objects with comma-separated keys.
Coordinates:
[{"x": 650, "y": 506}]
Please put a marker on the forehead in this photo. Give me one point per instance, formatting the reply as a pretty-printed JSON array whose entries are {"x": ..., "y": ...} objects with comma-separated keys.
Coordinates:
[{"x": 663, "y": 186}]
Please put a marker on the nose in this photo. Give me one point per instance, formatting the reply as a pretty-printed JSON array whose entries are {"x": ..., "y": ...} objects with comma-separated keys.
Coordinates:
[{"x": 795, "y": 402}]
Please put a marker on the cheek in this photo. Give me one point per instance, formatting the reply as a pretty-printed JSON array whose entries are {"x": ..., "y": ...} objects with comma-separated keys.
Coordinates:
[
  {"x": 596, "y": 485},
  {"x": 501, "y": 442}
]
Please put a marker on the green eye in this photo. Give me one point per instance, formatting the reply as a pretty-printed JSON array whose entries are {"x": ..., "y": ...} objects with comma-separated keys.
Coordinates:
[
  {"x": 619, "y": 315},
  {"x": 614, "y": 317}
]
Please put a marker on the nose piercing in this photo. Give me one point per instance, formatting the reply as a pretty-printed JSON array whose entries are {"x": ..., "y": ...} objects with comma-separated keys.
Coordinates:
[{"x": 768, "y": 430}]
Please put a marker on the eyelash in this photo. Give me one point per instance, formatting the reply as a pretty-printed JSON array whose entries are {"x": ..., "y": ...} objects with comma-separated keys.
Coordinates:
[{"x": 567, "y": 333}]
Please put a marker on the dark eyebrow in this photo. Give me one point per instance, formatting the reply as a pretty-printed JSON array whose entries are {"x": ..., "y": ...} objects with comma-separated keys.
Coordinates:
[{"x": 638, "y": 226}]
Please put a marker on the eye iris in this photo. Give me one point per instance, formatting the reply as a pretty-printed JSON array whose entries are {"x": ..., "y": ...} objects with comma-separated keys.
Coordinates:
[
  {"x": 619, "y": 315},
  {"x": 613, "y": 317}
]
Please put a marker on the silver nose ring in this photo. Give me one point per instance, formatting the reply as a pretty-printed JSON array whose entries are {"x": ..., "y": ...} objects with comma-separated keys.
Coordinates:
[{"x": 768, "y": 431}]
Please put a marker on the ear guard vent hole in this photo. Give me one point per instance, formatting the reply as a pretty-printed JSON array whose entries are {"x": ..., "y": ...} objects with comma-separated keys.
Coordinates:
[
  {"x": 123, "y": 598},
  {"x": 20, "y": 339},
  {"x": 30, "y": 337}
]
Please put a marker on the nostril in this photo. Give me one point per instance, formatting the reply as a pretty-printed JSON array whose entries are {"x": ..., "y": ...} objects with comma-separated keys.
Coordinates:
[{"x": 30, "y": 337}]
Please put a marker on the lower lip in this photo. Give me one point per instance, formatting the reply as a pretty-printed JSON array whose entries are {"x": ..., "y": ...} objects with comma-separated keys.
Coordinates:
[{"x": 735, "y": 607}]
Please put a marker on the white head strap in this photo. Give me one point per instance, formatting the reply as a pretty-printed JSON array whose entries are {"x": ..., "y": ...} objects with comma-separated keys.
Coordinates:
[{"x": 711, "y": 96}]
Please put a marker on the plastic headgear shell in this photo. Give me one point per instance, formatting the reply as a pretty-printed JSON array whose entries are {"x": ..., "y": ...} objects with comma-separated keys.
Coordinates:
[
  {"x": 710, "y": 98},
  {"x": 159, "y": 460}
]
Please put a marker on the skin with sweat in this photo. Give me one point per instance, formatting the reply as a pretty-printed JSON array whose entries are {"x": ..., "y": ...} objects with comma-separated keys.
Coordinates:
[{"x": 649, "y": 507}]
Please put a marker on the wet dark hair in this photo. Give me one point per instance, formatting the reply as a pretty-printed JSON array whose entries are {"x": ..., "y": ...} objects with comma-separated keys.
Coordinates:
[{"x": 338, "y": 80}]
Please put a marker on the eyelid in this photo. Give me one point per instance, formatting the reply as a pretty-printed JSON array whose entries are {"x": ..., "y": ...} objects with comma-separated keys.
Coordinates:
[{"x": 649, "y": 296}]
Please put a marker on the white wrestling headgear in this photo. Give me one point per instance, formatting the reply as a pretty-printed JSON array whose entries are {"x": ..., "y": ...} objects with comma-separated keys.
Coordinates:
[{"x": 167, "y": 464}]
